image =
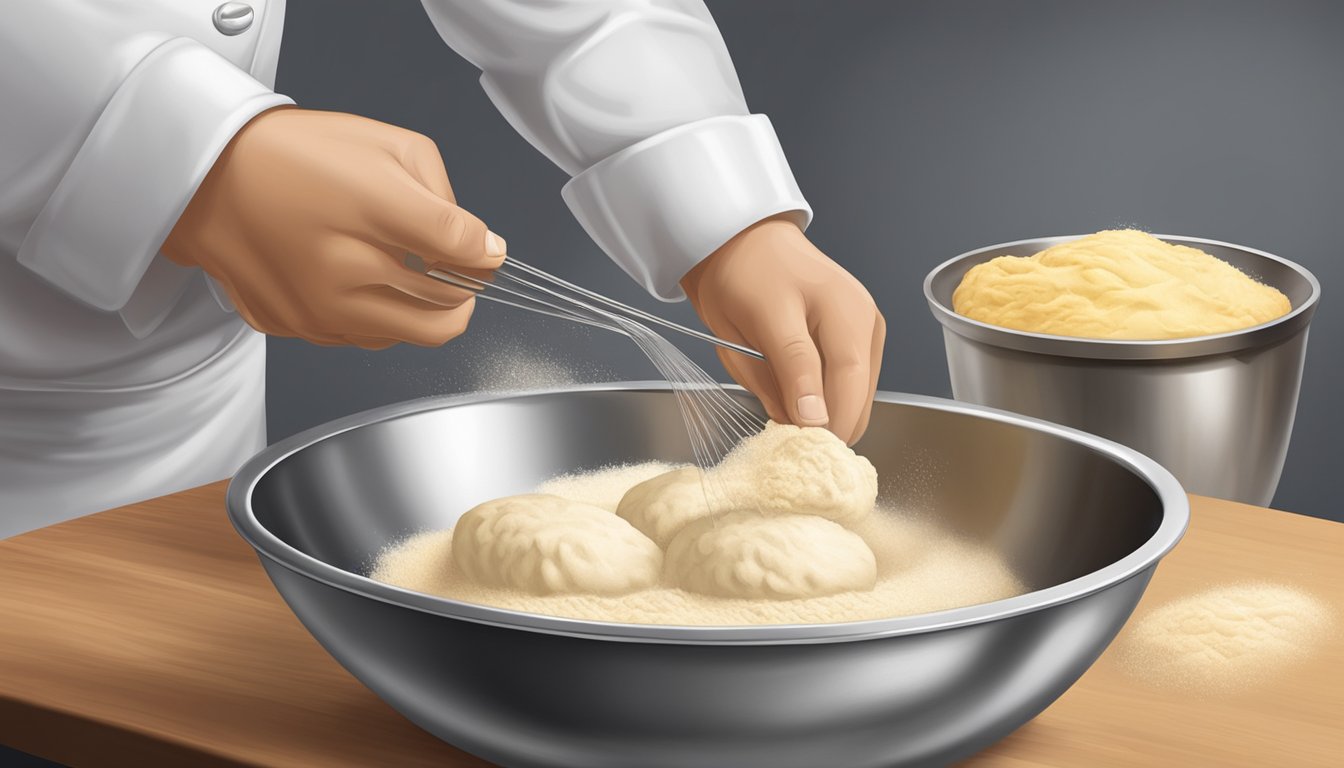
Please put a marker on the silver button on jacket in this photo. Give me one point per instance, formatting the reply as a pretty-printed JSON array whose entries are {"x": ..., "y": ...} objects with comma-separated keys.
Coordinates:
[{"x": 233, "y": 18}]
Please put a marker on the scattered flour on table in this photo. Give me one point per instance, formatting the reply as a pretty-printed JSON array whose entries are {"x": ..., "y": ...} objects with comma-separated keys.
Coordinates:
[{"x": 1224, "y": 638}]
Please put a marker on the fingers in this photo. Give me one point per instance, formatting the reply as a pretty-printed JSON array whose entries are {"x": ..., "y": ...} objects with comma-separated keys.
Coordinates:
[
  {"x": 459, "y": 237},
  {"x": 795, "y": 364},
  {"x": 875, "y": 366},
  {"x": 848, "y": 357},
  {"x": 369, "y": 342},
  {"x": 420, "y": 157},
  {"x": 268, "y": 321},
  {"x": 356, "y": 294},
  {"x": 755, "y": 376},
  {"x": 846, "y": 345},
  {"x": 424, "y": 287},
  {"x": 749, "y": 372},
  {"x": 381, "y": 313},
  {"x": 415, "y": 219}
]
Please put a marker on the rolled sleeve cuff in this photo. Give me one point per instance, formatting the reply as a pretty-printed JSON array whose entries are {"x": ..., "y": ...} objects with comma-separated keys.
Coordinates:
[
  {"x": 662, "y": 205},
  {"x": 98, "y": 235}
]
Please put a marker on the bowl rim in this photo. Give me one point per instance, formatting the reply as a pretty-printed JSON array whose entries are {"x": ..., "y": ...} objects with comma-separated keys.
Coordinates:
[
  {"x": 1175, "y": 518},
  {"x": 1253, "y": 336}
]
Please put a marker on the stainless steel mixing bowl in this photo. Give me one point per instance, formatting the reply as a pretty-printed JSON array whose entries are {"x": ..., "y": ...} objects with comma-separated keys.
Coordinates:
[
  {"x": 1215, "y": 410},
  {"x": 1082, "y": 521}
]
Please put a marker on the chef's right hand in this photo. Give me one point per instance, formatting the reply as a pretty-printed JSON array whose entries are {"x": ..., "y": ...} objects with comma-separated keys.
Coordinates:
[{"x": 306, "y": 219}]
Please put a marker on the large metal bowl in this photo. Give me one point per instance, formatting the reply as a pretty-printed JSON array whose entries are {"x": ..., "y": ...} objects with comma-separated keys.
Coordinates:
[
  {"x": 1215, "y": 410},
  {"x": 1082, "y": 521}
]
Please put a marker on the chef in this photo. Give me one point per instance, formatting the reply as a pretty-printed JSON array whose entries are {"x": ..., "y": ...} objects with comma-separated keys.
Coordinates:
[{"x": 162, "y": 208}]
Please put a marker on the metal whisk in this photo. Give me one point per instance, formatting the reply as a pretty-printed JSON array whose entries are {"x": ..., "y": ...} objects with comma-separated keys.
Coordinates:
[
  {"x": 715, "y": 421},
  {"x": 526, "y": 287}
]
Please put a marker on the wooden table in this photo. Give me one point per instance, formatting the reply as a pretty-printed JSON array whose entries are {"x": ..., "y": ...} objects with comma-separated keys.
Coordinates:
[{"x": 149, "y": 635}]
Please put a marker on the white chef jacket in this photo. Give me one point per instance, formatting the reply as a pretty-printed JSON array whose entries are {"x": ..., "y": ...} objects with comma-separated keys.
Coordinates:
[{"x": 124, "y": 376}]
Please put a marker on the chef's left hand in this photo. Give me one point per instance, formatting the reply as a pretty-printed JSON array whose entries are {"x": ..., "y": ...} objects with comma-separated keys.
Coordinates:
[{"x": 821, "y": 334}]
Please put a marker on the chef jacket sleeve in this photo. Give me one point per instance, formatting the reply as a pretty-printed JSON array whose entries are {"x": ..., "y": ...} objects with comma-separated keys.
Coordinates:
[
  {"x": 639, "y": 102},
  {"x": 106, "y": 131}
]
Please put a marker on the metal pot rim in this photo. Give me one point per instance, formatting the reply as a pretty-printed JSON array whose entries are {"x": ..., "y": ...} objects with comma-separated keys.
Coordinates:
[
  {"x": 1256, "y": 336},
  {"x": 1175, "y": 517}
]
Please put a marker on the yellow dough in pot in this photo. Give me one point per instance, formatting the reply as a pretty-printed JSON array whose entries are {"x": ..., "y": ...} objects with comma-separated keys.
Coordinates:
[{"x": 1117, "y": 284}]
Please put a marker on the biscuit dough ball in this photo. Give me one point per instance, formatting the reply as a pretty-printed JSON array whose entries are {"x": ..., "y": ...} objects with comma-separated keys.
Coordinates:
[
  {"x": 603, "y": 487},
  {"x": 661, "y": 506},
  {"x": 548, "y": 545},
  {"x": 781, "y": 557},
  {"x": 800, "y": 470}
]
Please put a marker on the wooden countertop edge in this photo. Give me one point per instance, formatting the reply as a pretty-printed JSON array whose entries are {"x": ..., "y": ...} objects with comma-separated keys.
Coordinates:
[
  {"x": 74, "y": 739},
  {"x": 47, "y": 732}
]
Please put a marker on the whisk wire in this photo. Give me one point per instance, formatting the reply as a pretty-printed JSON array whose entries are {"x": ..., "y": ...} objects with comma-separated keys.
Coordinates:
[
  {"x": 578, "y": 295},
  {"x": 715, "y": 421}
]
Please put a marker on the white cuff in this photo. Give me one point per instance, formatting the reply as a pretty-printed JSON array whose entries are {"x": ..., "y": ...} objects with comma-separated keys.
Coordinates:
[
  {"x": 158, "y": 136},
  {"x": 220, "y": 295},
  {"x": 162, "y": 284},
  {"x": 662, "y": 205}
]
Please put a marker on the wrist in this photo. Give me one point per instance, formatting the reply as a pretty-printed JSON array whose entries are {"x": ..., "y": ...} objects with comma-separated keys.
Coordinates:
[
  {"x": 185, "y": 240},
  {"x": 760, "y": 234}
]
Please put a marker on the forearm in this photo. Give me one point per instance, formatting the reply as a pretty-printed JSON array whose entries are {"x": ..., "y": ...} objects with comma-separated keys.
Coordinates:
[
  {"x": 641, "y": 105},
  {"x": 113, "y": 126}
]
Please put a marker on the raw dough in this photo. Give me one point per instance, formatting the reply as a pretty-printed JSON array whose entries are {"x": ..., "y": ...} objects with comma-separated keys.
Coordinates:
[
  {"x": 1118, "y": 284},
  {"x": 602, "y": 487},
  {"x": 780, "y": 471},
  {"x": 799, "y": 470},
  {"x": 661, "y": 506},
  {"x": 921, "y": 568},
  {"x": 549, "y": 545},
  {"x": 745, "y": 554}
]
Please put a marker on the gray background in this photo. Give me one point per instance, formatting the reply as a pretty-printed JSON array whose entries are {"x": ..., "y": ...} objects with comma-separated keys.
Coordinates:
[{"x": 918, "y": 130}]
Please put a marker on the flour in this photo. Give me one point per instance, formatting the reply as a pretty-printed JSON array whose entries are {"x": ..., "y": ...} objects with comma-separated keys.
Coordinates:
[
  {"x": 747, "y": 554},
  {"x": 770, "y": 564},
  {"x": 921, "y": 568},
  {"x": 603, "y": 487},
  {"x": 786, "y": 469},
  {"x": 782, "y": 470},
  {"x": 661, "y": 506},
  {"x": 548, "y": 545},
  {"x": 1224, "y": 638}
]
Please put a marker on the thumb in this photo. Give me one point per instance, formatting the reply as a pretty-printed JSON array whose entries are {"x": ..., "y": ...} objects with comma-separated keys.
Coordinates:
[
  {"x": 795, "y": 364},
  {"x": 438, "y": 231}
]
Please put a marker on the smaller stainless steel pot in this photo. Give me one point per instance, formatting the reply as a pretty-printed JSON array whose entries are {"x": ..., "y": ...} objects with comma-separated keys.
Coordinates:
[{"x": 1217, "y": 411}]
